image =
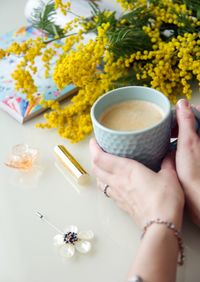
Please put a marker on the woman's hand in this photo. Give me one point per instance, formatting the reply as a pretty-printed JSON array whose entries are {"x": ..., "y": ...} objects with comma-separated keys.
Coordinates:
[
  {"x": 144, "y": 194},
  {"x": 188, "y": 159}
]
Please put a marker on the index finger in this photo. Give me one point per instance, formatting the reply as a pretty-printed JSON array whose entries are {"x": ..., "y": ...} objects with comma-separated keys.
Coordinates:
[{"x": 110, "y": 163}]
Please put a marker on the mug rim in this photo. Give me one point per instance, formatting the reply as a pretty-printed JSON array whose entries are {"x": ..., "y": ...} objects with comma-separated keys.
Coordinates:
[{"x": 120, "y": 132}]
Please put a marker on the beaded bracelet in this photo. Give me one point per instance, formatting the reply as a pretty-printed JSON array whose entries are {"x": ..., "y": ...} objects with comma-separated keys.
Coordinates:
[{"x": 176, "y": 233}]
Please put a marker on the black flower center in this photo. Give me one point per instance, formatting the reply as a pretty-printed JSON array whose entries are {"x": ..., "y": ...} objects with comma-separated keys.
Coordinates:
[{"x": 70, "y": 237}]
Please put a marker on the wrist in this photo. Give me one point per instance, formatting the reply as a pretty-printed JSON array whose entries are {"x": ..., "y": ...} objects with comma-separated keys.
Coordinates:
[
  {"x": 170, "y": 214},
  {"x": 158, "y": 252},
  {"x": 176, "y": 217},
  {"x": 158, "y": 232},
  {"x": 164, "y": 231}
]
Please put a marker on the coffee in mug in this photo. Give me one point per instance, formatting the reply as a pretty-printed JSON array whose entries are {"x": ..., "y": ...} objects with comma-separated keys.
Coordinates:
[{"x": 131, "y": 115}]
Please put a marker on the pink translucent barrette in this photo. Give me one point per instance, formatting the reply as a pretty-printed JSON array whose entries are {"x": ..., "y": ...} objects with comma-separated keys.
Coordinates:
[{"x": 22, "y": 157}]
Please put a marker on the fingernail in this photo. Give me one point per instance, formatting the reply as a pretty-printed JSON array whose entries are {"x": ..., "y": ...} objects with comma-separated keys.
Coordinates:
[{"x": 183, "y": 104}]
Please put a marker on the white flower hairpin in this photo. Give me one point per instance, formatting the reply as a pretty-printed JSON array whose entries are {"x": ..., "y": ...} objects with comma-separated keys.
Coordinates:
[{"x": 71, "y": 240}]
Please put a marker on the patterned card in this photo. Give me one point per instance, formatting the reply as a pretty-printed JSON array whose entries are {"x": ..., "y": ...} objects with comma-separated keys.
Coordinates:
[{"x": 15, "y": 103}]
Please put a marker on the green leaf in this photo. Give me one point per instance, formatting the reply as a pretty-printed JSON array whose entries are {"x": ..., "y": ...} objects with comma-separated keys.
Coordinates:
[
  {"x": 138, "y": 17},
  {"x": 129, "y": 79},
  {"x": 42, "y": 18},
  {"x": 128, "y": 40},
  {"x": 100, "y": 18},
  {"x": 155, "y": 2},
  {"x": 94, "y": 7},
  {"x": 198, "y": 13},
  {"x": 193, "y": 5}
]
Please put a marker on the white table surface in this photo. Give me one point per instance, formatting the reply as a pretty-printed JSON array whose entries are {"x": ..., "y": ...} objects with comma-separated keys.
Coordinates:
[{"x": 26, "y": 244}]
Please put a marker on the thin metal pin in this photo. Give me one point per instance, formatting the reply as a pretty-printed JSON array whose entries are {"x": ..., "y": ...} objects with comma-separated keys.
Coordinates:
[{"x": 41, "y": 216}]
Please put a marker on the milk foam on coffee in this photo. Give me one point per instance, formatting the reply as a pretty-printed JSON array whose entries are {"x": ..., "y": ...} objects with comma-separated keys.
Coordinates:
[{"x": 131, "y": 115}]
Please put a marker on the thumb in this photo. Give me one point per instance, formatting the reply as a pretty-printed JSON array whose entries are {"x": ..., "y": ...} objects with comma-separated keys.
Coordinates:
[{"x": 185, "y": 119}]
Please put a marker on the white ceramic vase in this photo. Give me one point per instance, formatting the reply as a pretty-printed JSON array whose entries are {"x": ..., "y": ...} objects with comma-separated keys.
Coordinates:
[
  {"x": 78, "y": 6},
  {"x": 30, "y": 6}
]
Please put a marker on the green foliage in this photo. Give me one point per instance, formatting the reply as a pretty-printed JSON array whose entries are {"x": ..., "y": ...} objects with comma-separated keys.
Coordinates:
[
  {"x": 155, "y": 2},
  {"x": 131, "y": 1},
  {"x": 174, "y": 30},
  {"x": 188, "y": 27},
  {"x": 193, "y": 5},
  {"x": 128, "y": 80},
  {"x": 127, "y": 40},
  {"x": 133, "y": 16},
  {"x": 101, "y": 17},
  {"x": 42, "y": 19}
]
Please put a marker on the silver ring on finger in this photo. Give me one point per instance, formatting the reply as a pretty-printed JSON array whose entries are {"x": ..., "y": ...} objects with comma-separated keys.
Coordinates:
[{"x": 105, "y": 190}]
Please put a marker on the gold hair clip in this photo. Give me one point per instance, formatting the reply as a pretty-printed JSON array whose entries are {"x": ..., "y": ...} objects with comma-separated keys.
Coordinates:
[{"x": 72, "y": 165}]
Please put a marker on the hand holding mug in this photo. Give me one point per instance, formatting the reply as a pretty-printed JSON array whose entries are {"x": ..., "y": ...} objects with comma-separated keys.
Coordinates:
[
  {"x": 150, "y": 145},
  {"x": 141, "y": 192}
]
